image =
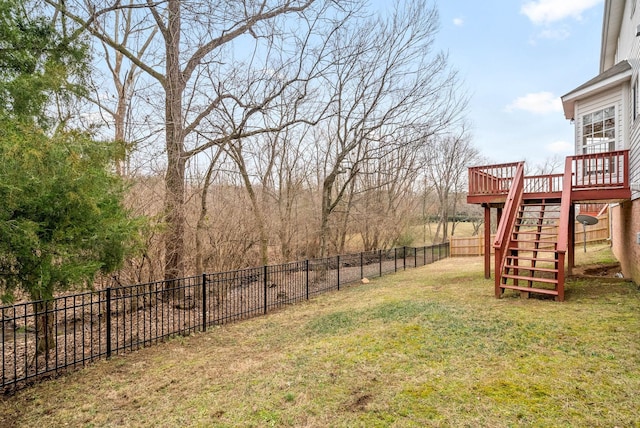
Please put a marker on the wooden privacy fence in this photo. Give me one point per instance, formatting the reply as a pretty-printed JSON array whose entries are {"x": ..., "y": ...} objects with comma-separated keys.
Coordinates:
[{"x": 474, "y": 245}]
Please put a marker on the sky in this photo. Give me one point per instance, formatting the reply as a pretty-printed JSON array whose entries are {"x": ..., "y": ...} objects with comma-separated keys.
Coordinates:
[{"x": 517, "y": 58}]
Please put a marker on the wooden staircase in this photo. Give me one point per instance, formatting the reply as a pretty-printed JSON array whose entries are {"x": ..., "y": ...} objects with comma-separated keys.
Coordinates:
[
  {"x": 529, "y": 255},
  {"x": 532, "y": 239},
  {"x": 531, "y": 261}
]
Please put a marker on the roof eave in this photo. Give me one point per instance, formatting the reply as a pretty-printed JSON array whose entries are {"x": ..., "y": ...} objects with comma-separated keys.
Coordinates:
[{"x": 569, "y": 100}]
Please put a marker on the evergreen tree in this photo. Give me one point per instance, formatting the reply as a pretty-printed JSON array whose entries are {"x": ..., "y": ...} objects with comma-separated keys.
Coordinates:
[
  {"x": 37, "y": 61},
  {"x": 61, "y": 219}
]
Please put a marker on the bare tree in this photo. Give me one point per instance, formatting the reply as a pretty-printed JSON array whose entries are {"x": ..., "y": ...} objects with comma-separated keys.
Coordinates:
[
  {"x": 386, "y": 82},
  {"x": 446, "y": 160},
  {"x": 123, "y": 75},
  {"x": 190, "y": 60},
  {"x": 385, "y": 207},
  {"x": 201, "y": 224},
  {"x": 283, "y": 172}
]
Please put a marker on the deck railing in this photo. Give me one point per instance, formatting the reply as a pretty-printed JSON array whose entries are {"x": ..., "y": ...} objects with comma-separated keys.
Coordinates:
[
  {"x": 550, "y": 183},
  {"x": 492, "y": 179},
  {"x": 503, "y": 234},
  {"x": 600, "y": 170},
  {"x": 595, "y": 171}
]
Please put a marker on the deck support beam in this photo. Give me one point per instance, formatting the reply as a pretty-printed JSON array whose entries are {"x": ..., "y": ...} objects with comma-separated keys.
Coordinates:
[
  {"x": 571, "y": 248},
  {"x": 487, "y": 241}
]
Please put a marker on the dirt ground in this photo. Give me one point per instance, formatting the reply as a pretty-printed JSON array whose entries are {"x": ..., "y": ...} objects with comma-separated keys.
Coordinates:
[{"x": 609, "y": 270}]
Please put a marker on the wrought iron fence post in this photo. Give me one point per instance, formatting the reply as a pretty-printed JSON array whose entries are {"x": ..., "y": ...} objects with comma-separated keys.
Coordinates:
[
  {"x": 404, "y": 258},
  {"x": 338, "y": 259},
  {"x": 395, "y": 259},
  {"x": 380, "y": 259},
  {"x": 204, "y": 302},
  {"x": 415, "y": 257},
  {"x": 37, "y": 330},
  {"x": 108, "y": 321},
  {"x": 361, "y": 265},
  {"x": 265, "y": 288},
  {"x": 307, "y": 278},
  {"x": 424, "y": 255}
]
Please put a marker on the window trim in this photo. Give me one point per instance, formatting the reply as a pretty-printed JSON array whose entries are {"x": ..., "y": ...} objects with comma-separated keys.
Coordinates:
[{"x": 599, "y": 117}]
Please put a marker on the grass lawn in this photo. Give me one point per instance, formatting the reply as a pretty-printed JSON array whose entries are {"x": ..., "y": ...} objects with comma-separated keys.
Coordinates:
[{"x": 425, "y": 347}]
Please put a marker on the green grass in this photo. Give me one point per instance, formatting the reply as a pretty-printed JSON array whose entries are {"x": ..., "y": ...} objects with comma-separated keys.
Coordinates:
[{"x": 425, "y": 347}]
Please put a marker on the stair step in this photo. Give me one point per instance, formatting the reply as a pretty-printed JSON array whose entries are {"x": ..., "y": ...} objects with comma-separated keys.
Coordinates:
[
  {"x": 543, "y": 250},
  {"x": 532, "y": 259},
  {"x": 535, "y": 241},
  {"x": 531, "y": 268},
  {"x": 544, "y": 229},
  {"x": 540, "y": 208},
  {"x": 530, "y": 232},
  {"x": 537, "y": 219},
  {"x": 529, "y": 278},
  {"x": 530, "y": 289}
]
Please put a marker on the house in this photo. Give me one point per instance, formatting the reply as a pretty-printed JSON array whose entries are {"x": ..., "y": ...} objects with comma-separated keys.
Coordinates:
[
  {"x": 530, "y": 255},
  {"x": 606, "y": 114}
]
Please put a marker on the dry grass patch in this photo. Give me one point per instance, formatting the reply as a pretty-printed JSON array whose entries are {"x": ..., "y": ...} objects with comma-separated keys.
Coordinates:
[{"x": 425, "y": 347}]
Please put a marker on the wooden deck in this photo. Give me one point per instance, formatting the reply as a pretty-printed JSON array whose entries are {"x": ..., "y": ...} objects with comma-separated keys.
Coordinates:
[
  {"x": 594, "y": 177},
  {"x": 587, "y": 179}
]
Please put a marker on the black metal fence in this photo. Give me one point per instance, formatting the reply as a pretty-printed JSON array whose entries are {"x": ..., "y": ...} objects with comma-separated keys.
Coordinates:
[{"x": 45, "y": 338}]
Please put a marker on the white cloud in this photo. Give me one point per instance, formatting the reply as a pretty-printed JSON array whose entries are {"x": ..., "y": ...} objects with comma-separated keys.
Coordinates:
[
  {"x": 548, "y": 11},
  {"x": 458, "y": 22},
  {"x": 554, "y": 34},
  {"x": 539, "y": 103},
  {"x": 550, "y": 34},
  {"x": 560, "y": 147}
]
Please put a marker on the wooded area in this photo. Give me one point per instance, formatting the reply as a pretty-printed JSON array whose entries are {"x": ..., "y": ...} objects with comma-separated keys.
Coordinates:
[
  {"x": 262, "y": 132},
  {"x": 253, "y": 132}
]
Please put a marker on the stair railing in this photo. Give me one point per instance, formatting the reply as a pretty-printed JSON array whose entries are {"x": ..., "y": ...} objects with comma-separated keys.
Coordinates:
[
  {"x": 563, "y": 226},
  {"x": 505, "y": 228}
]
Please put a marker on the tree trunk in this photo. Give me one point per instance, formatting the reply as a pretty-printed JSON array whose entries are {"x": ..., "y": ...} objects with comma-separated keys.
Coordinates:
[
  {"x": 45, "y": 332},
  {"x": 324, "y": 219},
  {"x": 176, "y": 162},
  {"x": 259, "y": 218},
  {"x": 342, "y": 233}
]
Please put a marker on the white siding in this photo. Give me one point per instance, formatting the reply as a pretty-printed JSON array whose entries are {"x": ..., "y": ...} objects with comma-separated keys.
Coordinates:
[
  {"x": 613, "y": 97},
  {"x": 629, "y": 49}
]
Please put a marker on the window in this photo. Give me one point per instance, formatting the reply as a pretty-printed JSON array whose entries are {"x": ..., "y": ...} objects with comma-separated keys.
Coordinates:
[
  {"x": 599, "y": 131},
  {"x": 599, "y": 136}
]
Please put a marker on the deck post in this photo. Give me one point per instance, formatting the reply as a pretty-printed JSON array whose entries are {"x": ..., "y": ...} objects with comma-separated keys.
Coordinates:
[
  {"x": 487, "y": 241},
  {"x": 571, "y": 262}
]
